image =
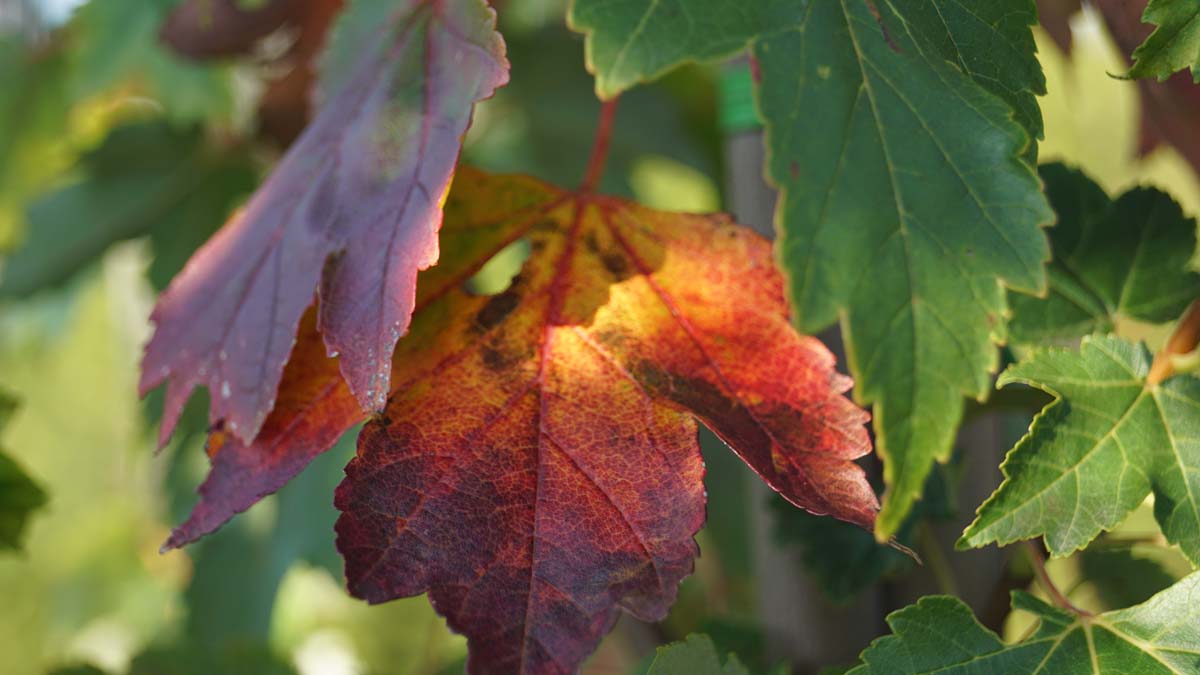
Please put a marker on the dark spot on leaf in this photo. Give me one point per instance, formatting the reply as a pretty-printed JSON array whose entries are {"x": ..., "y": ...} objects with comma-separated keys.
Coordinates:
[
  {"x": 590, "y": 242},
  {"x": 794, "y": 170},
  {"x": 695, "y": 394},
  {"x": 329, "y": 270},
  {"x": 887, "y": 37},
  {"x": 493, "y": 358},
  {"x": 616, "y": 264},
  {"x": 498, "y": 356},
  {"x": 322, "y": 207},
  {"x": 497, "y": 309}
]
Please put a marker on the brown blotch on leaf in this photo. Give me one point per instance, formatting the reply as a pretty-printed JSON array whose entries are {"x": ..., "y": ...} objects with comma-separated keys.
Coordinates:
[
  {"x": 496, "y": 358},
  {"x": 696, "y": 394},
  {"x": 497, "y": 309},
  {"x": 887, "y": 37},
  {"x": 616, "y": 264},
  {"x": 591, "y": 243}
]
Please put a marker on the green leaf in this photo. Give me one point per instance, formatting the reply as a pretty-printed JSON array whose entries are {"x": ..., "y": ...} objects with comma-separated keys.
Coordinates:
[
  {"x": 1126, "y": 576},
  {"x": 632, "y": 41},
  {"x": 989, "y": 41},
  {"x": 1174, "y": 45},
  {"x": 694, "y": 656},
  {"x": 939, "y": 634},
  {"x": 146, "y": 179},
  {"x": 19, "y": 495},
  {"x": 896, "y": 131},
  {"x": 1097, "y": 451},
  {"x": 906, "y": 211},
  {"x": 1127, "y": 258}
]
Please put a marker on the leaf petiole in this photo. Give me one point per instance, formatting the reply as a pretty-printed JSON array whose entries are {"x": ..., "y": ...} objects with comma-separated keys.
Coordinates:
[
  {"x": 1182, "y": 341},
  {"x": 595, "y": 166},
  {"x": 1038, "y": 559}
]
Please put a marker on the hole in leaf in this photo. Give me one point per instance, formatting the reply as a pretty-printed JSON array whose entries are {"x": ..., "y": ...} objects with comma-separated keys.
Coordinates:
[{"x": 497, "y": 274}]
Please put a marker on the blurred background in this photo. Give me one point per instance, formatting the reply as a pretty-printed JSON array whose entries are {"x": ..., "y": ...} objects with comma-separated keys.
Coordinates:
[{"x": 123, "y": 146}]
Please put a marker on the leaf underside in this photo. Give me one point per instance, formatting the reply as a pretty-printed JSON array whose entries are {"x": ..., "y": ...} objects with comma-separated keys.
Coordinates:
[
  {"x": 352, "y": 208},
  {"x": 899, "y": 133}
]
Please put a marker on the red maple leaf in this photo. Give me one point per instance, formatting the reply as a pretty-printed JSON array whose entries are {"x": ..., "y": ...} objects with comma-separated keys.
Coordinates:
[
  {"x": 537, "y": 467},
  {"x": 352, "y": 207}
]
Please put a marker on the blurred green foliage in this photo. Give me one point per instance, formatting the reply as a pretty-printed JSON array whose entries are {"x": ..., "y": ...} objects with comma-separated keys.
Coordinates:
[
  {"x": 697, "y": 654},
  {"x": 845, "y": 559},
  {"x": 148, "y": 179},
  {"x": 19, "y": 495}
]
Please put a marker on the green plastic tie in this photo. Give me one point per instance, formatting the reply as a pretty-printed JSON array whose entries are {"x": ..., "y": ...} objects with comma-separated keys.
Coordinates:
[{"x": 738, "y": 112}]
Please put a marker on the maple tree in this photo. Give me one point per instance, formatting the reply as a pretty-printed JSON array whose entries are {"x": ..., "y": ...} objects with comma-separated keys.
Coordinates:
[{"x": 529, "y": 456}]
